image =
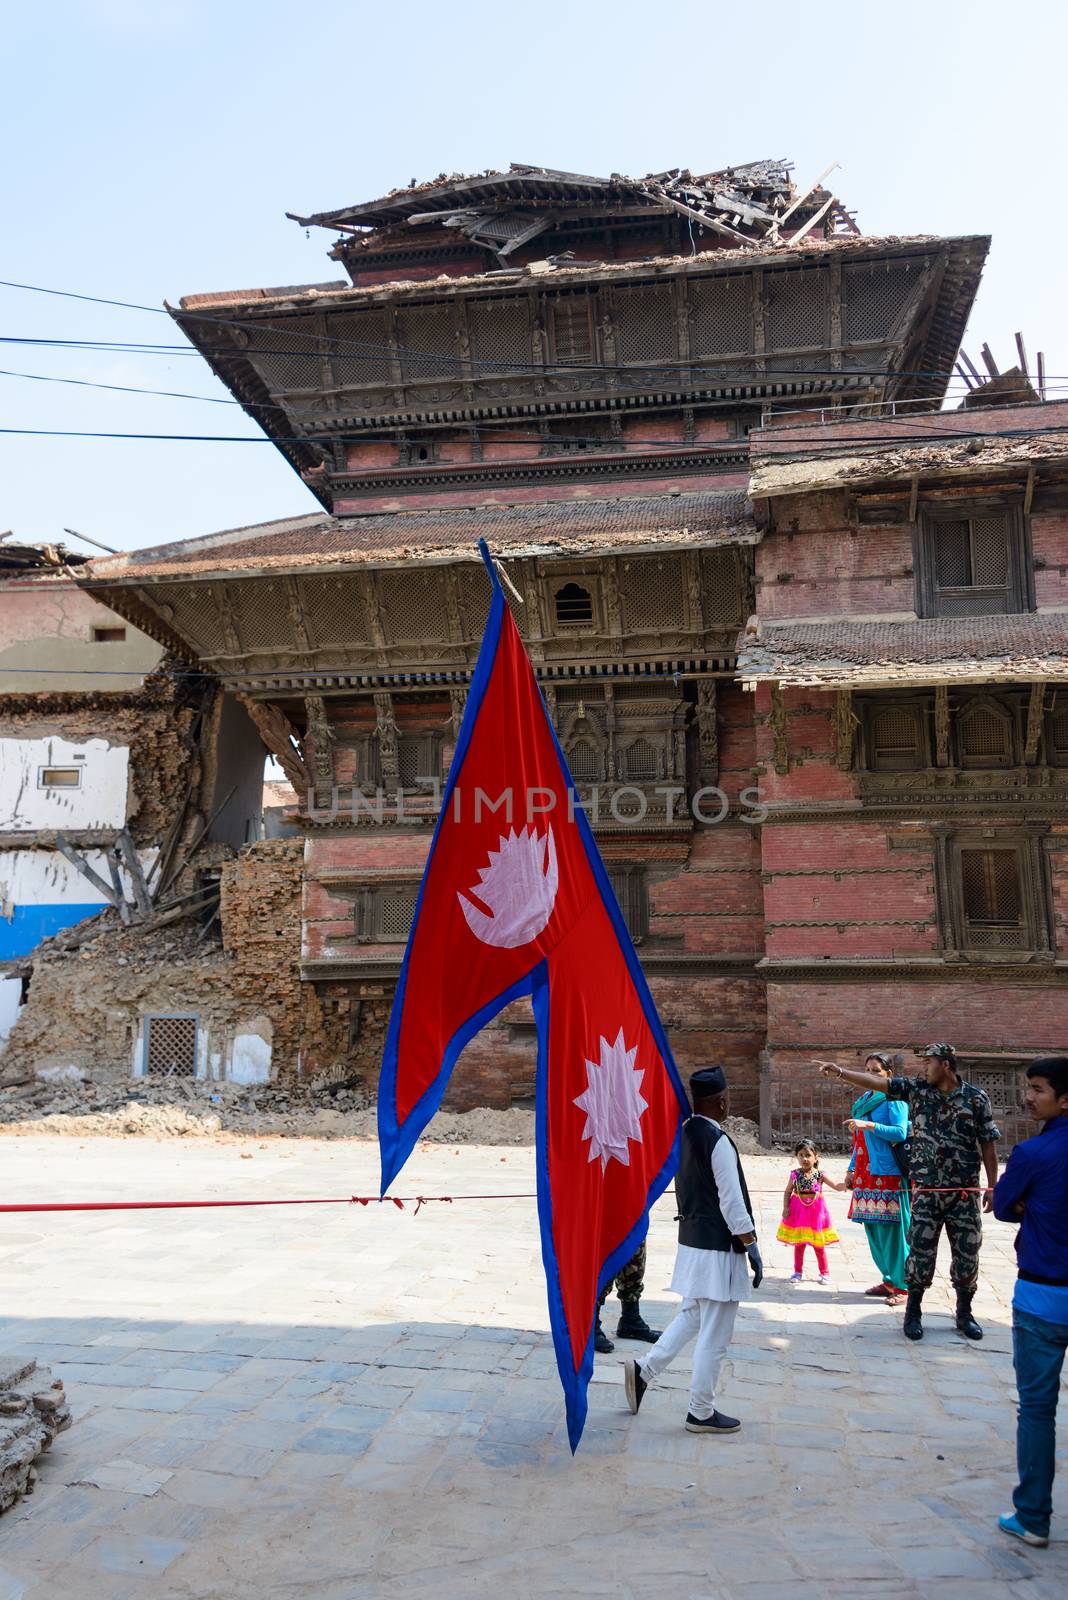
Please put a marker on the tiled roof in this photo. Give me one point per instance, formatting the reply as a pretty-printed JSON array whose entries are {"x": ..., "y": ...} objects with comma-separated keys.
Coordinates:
[
  {"x": 571, "y": 527},
  {"x": 934, "y": 650}
]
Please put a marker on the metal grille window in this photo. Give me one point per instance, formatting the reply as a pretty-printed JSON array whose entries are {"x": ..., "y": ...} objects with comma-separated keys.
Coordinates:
[
  {"x": 628, "y": 882},
  {"x": 572, "y": 326},
  {"x": 573, "y": 606},
  {"x": 972, "y": 566},
  {"x": 992, "y": 895},
  {"x": 171, "y": 1046},
  {"x": 896, "y": 739}
]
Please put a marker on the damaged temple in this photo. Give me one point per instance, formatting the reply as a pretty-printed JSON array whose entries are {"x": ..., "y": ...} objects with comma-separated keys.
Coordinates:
[{"x": 701, "y": 421}]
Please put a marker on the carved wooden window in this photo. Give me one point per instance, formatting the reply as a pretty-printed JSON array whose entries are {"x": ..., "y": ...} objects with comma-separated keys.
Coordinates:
[
  {"x": 384, "y": 913},
  {"x": 585, "y": 762},
  {"x": 418, "y": 759},
  {"x": 985, "y": 736},
  {"x": 573, "y": 606},
  {"x": 997, "y": 895},
  {"x": 897, "y": 737},
  {"x": 1058, "y": 734},
  {"x": 628, "y": 882},
  {"x": 572, "y": 331},
  {"x": 642, "y": 762},
  {"x": 972, "y": 565}
]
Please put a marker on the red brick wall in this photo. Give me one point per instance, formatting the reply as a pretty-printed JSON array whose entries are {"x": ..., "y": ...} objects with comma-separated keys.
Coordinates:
[{"x": 818, "y": 564}]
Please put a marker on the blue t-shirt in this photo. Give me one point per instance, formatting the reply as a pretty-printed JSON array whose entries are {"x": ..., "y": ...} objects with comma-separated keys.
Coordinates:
[{"x": 1049, "y": 1301}]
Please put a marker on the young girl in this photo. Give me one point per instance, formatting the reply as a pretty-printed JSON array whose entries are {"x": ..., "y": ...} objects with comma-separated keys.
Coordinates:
[{"x": 805, "y": 1218}]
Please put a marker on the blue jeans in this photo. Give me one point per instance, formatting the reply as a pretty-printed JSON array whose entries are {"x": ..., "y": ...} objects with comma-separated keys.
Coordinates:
[{"x": 1038, "y": 1349}]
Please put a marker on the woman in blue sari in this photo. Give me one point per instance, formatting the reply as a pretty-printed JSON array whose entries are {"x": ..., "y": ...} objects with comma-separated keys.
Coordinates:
[{"x": 880, "y": 1195}]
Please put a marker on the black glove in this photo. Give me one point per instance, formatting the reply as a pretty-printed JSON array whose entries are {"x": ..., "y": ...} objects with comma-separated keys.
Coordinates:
[{"x": 757, "y": 1265}]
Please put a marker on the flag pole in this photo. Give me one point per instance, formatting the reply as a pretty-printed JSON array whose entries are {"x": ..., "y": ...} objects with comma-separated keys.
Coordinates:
[{"x": 498, "y": 567}]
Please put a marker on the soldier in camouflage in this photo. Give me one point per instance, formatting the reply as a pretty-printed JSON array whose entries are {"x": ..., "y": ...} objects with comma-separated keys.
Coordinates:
[
  {"x": 953, "y": 1129},
  {"x": 629, "y": 1284}
]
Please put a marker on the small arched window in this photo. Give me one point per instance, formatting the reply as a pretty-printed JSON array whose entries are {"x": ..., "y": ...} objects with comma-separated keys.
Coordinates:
[
  {"x": 574, "y": 606},
  {"x": 985, "y": 738}
]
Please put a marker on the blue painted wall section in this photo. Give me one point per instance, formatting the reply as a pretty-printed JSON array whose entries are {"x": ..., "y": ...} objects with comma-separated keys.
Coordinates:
[{"x": 30, "y": 924}]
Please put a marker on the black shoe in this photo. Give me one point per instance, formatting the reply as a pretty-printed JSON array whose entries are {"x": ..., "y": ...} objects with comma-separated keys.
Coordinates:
[
  {"x": 632, "y": 1325},
  {"x": 601, "y": 1342},
  {"x": 966, "y": 1323},
  {"x": 717, "y": 1423},
  {"x": 634, "y": 1382},
  {"x": 912, "y": 1327}
]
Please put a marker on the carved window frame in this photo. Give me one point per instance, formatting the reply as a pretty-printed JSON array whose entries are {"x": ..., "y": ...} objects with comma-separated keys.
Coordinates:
[
  {"x": 429, "y": 758},
  {"x": 930, "y": 597},
  {"x": 873, "y": 706},
  {"x": 631, "y": 889},
  {"x": 569, "y": 304},
  {"x": 1057, "y": 752},
  {"x": 958, "y": 938},
  {"x": 372, "y": 906},
  {"x": 989, "y": 705},
  {"x": 587, "y": 578}
]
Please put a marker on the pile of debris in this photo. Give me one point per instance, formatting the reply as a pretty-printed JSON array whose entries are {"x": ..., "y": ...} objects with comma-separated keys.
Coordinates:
[{"x": 33, "y": 1409}]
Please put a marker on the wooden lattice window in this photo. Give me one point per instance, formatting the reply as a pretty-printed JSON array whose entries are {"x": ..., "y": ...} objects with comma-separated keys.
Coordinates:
[
  {"x": 384, "y": 913},
  {"x": 997, "y": 896},
  {"x": 641, "y": 761},
  {"x": 1058, "y": 736},
  {"x": 985, "y": 737},
  {"x": 628, "y": 882},
  {"x": 584, "y": 759},
  {"x": 418, "y": 760},
  {"x": 896, "y": 738},
  {"x": 170, "y": 1046},
  {"x": 992, "y": 894},
  {"x": 972, "y": 566},
  {"x": 572, "y": 330}
]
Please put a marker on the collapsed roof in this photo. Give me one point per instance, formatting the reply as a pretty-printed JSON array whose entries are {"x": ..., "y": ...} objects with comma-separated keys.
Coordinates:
[{"x": 502, "y": 211}]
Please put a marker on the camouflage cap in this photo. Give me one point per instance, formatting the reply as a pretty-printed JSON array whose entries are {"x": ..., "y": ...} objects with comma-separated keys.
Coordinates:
[{"x": 945, "y": 1051}]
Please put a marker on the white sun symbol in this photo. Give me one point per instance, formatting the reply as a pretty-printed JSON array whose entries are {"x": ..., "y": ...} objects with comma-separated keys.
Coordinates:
[{"x": 612, "y": 1102}]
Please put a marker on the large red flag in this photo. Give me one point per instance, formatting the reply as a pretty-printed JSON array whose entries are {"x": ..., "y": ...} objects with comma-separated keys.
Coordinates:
[{"x": 515, "y": 901}]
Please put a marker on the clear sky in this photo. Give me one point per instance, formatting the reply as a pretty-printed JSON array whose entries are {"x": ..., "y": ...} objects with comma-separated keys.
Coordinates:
[{"x": 152, "y": 150}]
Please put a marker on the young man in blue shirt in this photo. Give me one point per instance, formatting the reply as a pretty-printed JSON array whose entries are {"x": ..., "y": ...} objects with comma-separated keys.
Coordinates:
[{"x": 1034, "y": 1192}]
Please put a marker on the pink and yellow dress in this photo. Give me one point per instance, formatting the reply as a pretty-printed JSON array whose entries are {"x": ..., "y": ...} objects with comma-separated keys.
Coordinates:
[{"x": 807, "y": 1220}]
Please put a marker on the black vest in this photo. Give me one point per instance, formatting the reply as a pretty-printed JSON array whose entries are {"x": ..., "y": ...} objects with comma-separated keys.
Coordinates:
[{"x": 699, "y": 1217}]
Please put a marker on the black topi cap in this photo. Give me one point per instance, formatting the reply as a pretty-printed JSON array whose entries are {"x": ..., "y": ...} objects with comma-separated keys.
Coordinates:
[{"x": 707, "y": 1082}]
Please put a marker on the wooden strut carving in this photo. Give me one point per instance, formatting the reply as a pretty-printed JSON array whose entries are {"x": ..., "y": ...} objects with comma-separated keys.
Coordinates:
[
  {"x": 1035, "y": 710},
  {"x": 707, "y": 728},
  {"x": 781, "y": 757},
  {"x": 319, "y": 746},
  {"x": 281, "y": 739},
  {"x": 845, "y": 727},
  {"x": 941, "y": 725},
  {"x": 457, "y": 702},
  {"x": 386, "y": 733}
]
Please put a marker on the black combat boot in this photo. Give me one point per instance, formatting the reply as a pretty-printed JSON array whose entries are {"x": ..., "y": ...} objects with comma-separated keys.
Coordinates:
[
  {"x": 632, "y": 1325},
  {"x": 912, "y": 1327},
  {"x": 966, "y": 1323},
  {"x": 601, "y": 1342}
]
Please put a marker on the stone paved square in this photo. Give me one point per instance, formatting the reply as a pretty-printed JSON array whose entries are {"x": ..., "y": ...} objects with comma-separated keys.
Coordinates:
[{"x": 360, "y": 1403}]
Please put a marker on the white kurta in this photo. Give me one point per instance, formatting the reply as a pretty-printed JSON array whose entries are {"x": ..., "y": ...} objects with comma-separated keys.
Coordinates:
[{"x": 718, "y": 1274}]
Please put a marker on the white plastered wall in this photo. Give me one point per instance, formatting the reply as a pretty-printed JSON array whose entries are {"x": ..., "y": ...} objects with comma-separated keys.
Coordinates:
[{"x": 99, "y": 801}]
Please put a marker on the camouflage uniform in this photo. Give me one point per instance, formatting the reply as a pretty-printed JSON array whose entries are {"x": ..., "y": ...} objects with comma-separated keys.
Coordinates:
[
  {"x": 947, "y": 1131},
  {"x": 630, "y": 1281}
]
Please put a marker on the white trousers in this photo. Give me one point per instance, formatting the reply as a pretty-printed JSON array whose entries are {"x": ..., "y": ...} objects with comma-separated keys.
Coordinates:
[{"x": 711, "y": 1322}]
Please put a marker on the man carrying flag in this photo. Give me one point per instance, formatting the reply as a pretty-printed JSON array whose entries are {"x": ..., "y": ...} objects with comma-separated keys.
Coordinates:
[
  {"x": 716, "y": 1233},
  {"x": 515, "y": 901}
]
